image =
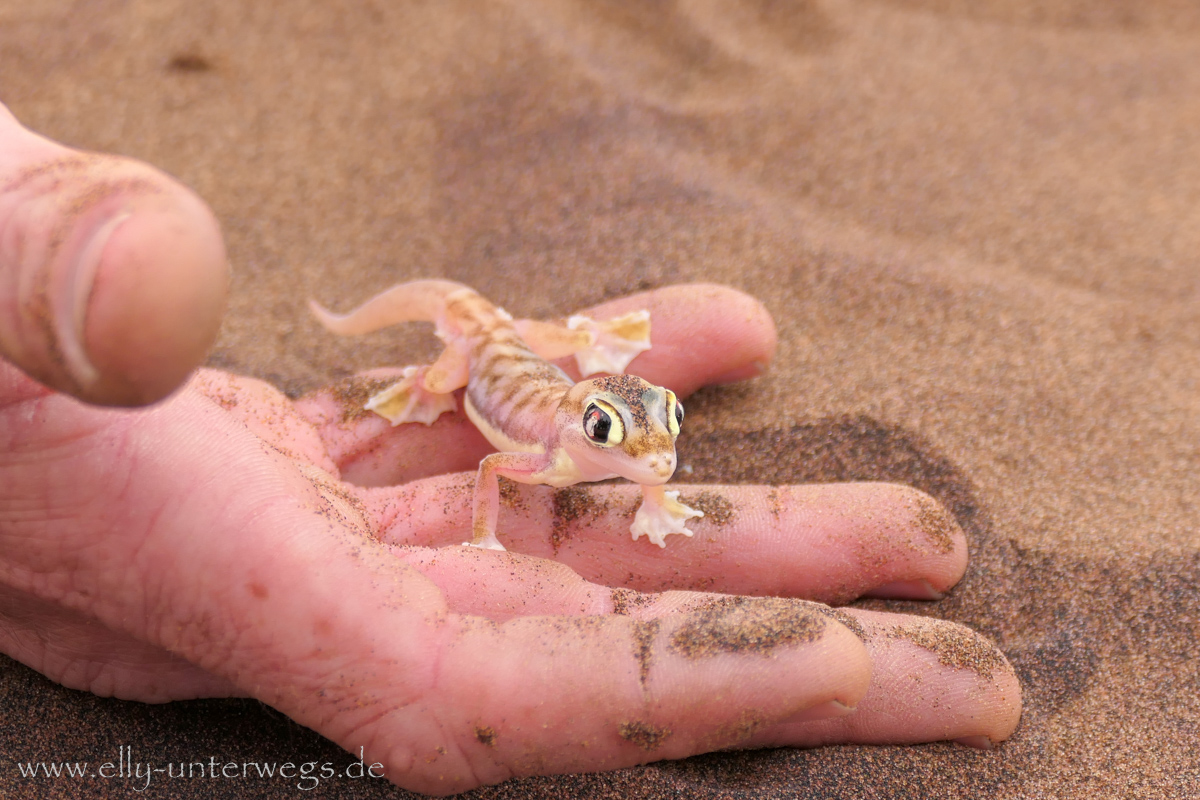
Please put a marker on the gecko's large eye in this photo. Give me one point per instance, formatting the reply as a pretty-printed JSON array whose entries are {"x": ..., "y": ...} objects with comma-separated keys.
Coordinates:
[
  {"x": 674, "y": 413},
  {"x": 602, "y": 424}
]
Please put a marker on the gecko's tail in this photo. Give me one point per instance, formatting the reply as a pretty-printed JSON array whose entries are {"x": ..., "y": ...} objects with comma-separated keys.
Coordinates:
[{"x": 415, "y": 301}]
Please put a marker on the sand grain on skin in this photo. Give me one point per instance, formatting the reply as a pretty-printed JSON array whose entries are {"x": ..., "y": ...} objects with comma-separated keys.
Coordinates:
[
  {"x": 745, "y": 625},
  {"x": 955, "y": 647},
  {"x": 643, "y": 734}
]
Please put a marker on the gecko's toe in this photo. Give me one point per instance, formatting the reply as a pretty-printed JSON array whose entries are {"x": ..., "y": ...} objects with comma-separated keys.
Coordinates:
[
  {"x": 616, "y": 342},
  {"x": 493, "y": 544}
]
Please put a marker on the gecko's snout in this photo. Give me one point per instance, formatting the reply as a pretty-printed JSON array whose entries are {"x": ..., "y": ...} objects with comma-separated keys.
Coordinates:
[{"x": 663, "y": 465}]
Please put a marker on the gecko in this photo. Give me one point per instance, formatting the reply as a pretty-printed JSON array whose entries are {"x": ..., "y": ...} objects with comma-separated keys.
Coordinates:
[{"x": 546, "y": 428}]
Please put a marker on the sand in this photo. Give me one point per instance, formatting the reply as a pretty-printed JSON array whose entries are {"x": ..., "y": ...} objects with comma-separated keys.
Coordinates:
[{"x": 976, "y": 225}]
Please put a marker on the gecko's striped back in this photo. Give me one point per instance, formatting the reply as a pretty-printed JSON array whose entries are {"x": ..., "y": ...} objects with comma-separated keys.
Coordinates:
[{"x": 511, "y": 388}]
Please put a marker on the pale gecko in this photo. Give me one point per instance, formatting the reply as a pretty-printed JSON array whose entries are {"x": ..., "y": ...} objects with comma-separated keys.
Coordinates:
[{"x": 547, "y": 428}]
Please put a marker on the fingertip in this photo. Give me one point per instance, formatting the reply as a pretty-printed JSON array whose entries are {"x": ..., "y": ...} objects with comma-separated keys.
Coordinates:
[
  {"x": 932, "y": 551},
  {"x": 157, "y": 300},
  {"x": 748, "y": 323},
  {"x": 933, "y": 680},
  {"x": 113, "y": 275}
]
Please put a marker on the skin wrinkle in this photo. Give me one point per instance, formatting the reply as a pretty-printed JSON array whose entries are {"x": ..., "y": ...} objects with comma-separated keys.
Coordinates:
[
  {"x": 467, "y": 751},
  {"x": 370, "y": 722},
  {"x": 52, "y": 168},
  {"x": 28, "y": 413},
  {"x": 31, "y": 302},
  {"x": 352, "y": 723},
  {"x": 331, "y": 492},
  {"x": 449, "y": 632},
  {"x": 195, "y": 633},
  {"x": 71, "y": 588},
  {"x": 192, "y": 634}
]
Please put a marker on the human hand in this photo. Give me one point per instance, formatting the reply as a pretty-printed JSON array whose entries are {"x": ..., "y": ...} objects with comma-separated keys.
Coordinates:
[{"x": 225, "y": 542}]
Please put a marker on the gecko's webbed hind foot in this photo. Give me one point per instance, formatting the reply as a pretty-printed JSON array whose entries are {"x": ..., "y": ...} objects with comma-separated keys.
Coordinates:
[
  {"x": 615, "y": 343},
  {"x": 660, "y": 515},
  {"x": 408, "y": 400}
]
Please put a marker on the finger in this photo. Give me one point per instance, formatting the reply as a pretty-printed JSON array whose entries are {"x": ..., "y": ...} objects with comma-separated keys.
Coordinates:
[
  {"x": 568, "y": 694},
  {"x": 266, "y": 577},
  {"x": 504, "y": 586},
  {"x": 932, "y": 681},
  {"x": 112, "y": 275},
  {"x": 828, "y": 542},
  {"x": 702, "y": 334}
]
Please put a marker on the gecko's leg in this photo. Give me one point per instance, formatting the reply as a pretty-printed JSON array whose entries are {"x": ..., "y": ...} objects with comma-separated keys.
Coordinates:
[
  {"x": 424, "y": 393},
  {"x": 660, "y": 515},
  {"x": 550, "y": 340},
  {"x": 606, "y": 346},
  {"x": 449, "y": 372},
  {"x": 521, "y": 467}
]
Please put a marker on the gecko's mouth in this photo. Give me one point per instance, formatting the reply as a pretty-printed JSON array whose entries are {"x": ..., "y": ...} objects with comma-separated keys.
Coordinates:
[{"x": 650, "y": 475}]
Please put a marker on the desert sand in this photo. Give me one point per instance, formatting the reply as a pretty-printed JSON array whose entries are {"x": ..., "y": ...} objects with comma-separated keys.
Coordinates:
[{"x": 975, "y": 223}]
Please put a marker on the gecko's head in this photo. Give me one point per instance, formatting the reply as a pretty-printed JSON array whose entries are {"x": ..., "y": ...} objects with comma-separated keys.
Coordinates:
[{"x": 622, "y": 424}]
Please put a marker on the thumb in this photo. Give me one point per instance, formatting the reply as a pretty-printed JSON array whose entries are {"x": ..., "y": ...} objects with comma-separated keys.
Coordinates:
[{"x": 113, "y": 276}]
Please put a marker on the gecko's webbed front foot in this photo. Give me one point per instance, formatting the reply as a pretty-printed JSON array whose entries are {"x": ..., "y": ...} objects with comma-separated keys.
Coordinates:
[
  {"x": 660, "y": 515},
  {"x": 408, "y": 400}
]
